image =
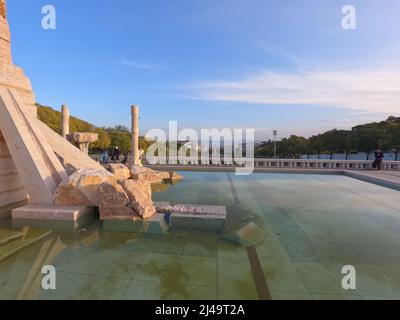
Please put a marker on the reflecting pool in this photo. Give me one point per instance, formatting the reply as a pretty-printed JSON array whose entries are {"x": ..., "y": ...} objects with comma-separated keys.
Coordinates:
[{"x": 314, "y": 225}]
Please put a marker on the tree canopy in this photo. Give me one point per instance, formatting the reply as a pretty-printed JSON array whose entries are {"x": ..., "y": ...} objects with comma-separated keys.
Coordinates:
[{"x": 364, "y": 138}]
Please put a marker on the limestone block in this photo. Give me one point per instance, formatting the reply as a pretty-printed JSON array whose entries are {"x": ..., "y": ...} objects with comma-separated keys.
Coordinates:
[
  {"x": 195, "y": 209},
  {"x": 152, "y": 176},
  {"x": 10, "y": 75},
  {"x": 4, "y": 153},
  {"x": 163, "y": 206},
  {"x": 198, "y": 217},
  {"x": 10, "y": 182},
  {"x": 54, "y": 213},
  {"x": 113, "y": 203},
  {"x": 13, "y": 196},
  {"x": 13, "y": 77},
  {"x": 82, "y": 187},
  {"x": 37, "y": 165},
  {"x": 5, "y": 39},
  {"x": 139, "y": 193},
  {"x": 85, "y": 137},
  {"x": 120, "y": 171},
  {"x": 7, "y": 166}
]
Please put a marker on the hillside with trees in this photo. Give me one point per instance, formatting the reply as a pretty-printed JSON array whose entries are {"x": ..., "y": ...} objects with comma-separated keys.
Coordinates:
[
  {"x": 364, "y": 138},
  {"x": 108, "y": 137}
]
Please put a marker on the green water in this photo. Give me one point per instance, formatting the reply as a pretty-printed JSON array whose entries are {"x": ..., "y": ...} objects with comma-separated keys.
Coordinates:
[{"x": 313, "y": 224}]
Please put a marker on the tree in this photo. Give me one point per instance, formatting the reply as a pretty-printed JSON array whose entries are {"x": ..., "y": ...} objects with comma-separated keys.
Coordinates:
[
  {"x": 104, "y": 140},
  {"x": 121, "y": 139},
  {"x": 265, "y": 150},
  {"x": 297, "y": 146},
  {"x": 368, "y": 138},
  {"x": 394, "y": 134},
  {"x": 336, "y": 141},
  {"x": 50, "y": 117},
  {"x": 316, "y": 145}
]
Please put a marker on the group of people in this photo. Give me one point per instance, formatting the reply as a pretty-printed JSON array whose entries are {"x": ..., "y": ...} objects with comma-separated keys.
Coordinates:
[{"x": 111, "y": 155}]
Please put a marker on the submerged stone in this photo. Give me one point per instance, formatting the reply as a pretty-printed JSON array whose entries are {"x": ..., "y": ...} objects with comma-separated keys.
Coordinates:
[
  {"x": 249, "y": 235},
  {"x": 155, "y": 225},
  {"x": 163, "y": 206},
  {"x": 198, "y": 217}
]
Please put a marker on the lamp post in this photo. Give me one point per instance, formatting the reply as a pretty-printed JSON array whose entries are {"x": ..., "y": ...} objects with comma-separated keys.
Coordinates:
[{"x": 275, "y": 134}]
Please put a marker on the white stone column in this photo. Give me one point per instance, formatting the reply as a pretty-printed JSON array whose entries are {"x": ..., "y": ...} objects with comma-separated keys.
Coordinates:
[
  {"x": 65, "y": 121},
  {"x": 135, "y": 136}
]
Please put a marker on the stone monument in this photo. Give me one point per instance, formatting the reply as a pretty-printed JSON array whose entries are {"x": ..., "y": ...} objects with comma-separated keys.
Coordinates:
[
  {"x": 12, "y": 76},
  {"x": 33, "y": 157},
  {"x": 40, "y": 167},
  {"x": 12, "y": 189}
]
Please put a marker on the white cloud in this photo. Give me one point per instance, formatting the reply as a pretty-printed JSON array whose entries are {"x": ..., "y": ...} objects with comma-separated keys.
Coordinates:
[
  {"x": 143, "y": 66},
  {"x": 371, "y": 90}
]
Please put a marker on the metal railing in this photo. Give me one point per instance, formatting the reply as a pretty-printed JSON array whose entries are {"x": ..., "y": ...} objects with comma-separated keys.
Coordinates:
[{"x": 278, "y": 163}]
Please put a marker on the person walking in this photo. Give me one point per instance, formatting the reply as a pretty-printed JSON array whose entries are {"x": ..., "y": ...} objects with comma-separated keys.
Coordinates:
[{"x": 378, "y": 160}]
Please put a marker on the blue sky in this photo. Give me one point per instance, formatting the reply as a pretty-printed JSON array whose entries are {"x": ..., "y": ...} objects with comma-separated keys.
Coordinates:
[{"x": 214, "y": 63}]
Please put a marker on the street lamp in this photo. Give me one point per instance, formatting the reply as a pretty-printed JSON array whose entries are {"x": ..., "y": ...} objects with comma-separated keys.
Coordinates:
[{"x": 275, "y": 134}]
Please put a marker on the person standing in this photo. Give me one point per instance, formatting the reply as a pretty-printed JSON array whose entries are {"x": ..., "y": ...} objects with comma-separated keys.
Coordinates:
[
  {"x": 116, "y": 154},
  {"x": 378, "y": 159},
  {"x": 104, "y": 157}
]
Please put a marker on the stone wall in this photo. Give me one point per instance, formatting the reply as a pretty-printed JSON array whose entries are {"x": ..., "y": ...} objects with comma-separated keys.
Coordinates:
[
  {"x": 11, "y": 187},
  {"x": 12, "y": 76}
]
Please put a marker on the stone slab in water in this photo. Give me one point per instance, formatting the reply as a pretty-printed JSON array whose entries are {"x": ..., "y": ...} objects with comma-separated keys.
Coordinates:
[
  {"x": 198, "y": 217},
  {"x": 52, "y": 213},
  {"x": 163, "y": 206},
  {"x": 55, "y": 225},
  {"x": 155, "y": 225}
]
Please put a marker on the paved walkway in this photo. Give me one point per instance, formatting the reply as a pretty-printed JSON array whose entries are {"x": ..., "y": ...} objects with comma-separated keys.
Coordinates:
[{"x": 389, "y": 179}]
